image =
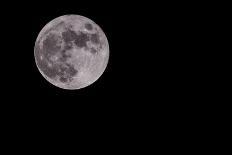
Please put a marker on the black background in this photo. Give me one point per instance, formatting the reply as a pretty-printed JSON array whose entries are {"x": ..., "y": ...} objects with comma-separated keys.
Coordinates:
[
  {"x": 148, "y": 61},
  {"x": 123, "y": 75},
  {"x": 147, "y": 44},
  {"x": 156, "y": 49},
  {"x": 125, "y": 82}
]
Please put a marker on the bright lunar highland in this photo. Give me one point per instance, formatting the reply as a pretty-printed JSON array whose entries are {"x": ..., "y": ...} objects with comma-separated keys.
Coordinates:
[{"x": 71, "y": 52}]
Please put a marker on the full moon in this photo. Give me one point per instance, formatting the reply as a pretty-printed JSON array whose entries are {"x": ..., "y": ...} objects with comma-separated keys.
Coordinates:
[{"x": 71, "y": 52}]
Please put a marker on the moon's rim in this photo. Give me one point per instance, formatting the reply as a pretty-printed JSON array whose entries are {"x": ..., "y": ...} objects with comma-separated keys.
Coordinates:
[
  {"x": 65, "y": 18},
  {"x": 68, "y": 20}
]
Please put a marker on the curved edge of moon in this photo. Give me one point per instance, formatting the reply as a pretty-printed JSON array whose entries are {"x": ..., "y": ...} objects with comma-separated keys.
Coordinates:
[{"x": 101, "y": 60}]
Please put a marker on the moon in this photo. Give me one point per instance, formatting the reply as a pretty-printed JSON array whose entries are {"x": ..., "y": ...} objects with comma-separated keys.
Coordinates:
[{"x": 71, "y": 52}]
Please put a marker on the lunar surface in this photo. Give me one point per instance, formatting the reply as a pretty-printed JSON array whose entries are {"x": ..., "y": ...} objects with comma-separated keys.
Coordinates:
[{"x": 71, "y": 52}]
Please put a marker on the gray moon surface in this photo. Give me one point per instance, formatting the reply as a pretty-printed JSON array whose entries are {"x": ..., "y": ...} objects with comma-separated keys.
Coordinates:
[{"x": 71, "y": 52}]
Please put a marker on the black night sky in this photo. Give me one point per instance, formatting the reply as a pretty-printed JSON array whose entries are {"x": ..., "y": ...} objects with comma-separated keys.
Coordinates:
[
  {"x": 148, "y": 62},
  {"x": 154, "y": 92}
]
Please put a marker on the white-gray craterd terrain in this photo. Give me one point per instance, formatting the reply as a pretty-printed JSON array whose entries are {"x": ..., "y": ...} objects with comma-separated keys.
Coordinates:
[{"x": 71, "y": 52}]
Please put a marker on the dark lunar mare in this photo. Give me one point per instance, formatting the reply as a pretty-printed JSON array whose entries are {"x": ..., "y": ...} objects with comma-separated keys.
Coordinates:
[
  {"x": 69, "y": 35},
  {"x": 67, "y": 72},
  {"x": 71, "y": 70},
  {"x": 64, "y": 56},
  {"x": 88, "y": 26},
  {"x": 95, "y": 38},
  {"x": 64, "y": 70},
  {"x": 93, "y": 50},
  {"x": 80, "y": 39},
  {"x": 50, "y": 72},
  {"x": 51, "y": 46}
]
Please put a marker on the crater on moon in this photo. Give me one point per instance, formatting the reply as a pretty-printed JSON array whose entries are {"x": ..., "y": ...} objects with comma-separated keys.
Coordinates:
[{"x": 71, "y": 52}]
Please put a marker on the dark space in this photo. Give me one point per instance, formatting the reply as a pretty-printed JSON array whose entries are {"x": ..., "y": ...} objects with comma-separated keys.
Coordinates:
[
  {"x": 144, "y": 61},
  {"x": 25, "y": 87},
  {"x": 150, "y": 77}
]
